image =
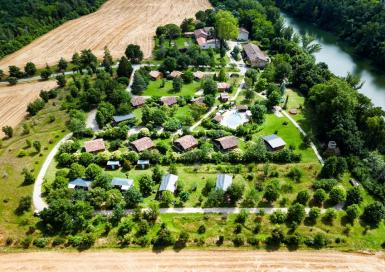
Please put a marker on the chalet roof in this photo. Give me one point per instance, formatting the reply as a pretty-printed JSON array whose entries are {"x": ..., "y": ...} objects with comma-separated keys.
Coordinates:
[
  {"x": 95, "y": 145},
  {"x": 228, "y": 142},
  {"x": 168, "y": 183},
  {"x": 155, "y": 74},
  {"x": 187, "y": 142},
  {"x": 242, "y": 108},
  {"x": 169, "y": 100},
  {"x": 79, "y": 182},
  {"x": 125, "y": 184},
  {"x": 223, "y": 182},
  {"x": 274, "y": 141},
  {"x": 122, "y": 118},
  {"x": 199, "y": 74},
  {"x": 137, "y": 101},
  {"x": 218, "y": 118},
  {"x": 254, "y": 53},
  {"x": 223, "y": 85},
  {"x": 143, "y": 144},
  {"x": 175, "y": 74}
]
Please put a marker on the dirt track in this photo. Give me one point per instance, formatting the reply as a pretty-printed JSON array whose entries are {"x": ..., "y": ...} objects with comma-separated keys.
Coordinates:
[
  {"x": 115, "y": 25},
  {"x": 192, "y": 261},
  {"x": 14, "y": 101}
]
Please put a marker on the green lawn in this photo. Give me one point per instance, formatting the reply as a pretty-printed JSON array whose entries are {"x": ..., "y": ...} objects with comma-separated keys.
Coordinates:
[{"x": 154, "y": 89}]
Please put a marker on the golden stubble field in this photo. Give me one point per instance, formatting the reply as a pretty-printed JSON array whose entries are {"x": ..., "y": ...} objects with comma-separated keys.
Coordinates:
[
  {"x": 14, "y": 101},
  {"x": 187, "y": 260},
  {"x": 115, "y": 25}
]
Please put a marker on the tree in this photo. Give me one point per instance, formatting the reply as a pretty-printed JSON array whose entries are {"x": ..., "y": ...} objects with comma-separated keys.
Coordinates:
[
  {"x": 172, "y": 31},
  {"x": 133, "y": 198},
  {"x": 30, "y": 69},
  {"x": 354, "y": 196},
  {"x": 125, "y": 68},
  {"x": 296, "y": 213},
  {"x": 271, "y": 193},
  {"x": 273, "y": 99},
  {"x": 34, "y": 107},
  {"x": 168, "y": 65},
  {"x": 330, "y": 215},
  {"x": 314, "y": 213},
  {"x": 303, "y": 197},
  {"x": 134, "y": 54},
  {"x": 12, "y": 80},
  {"x": 76, "y": 171},
  {"x": 309, "y": 45},
  {"x": 374, "y": 213},
  {"x": 210, "y": 87},
  {"x": 107, "y": 60},
  {"x": 319, "y": 196},
  {"x": 177, "y": 84},
  {"x": 139, "y": 84},
  {"x": 337, "y": 195},
  {"x": 46, "y": 73},
  {"x": 88, "y": 60},
  {"x": 352, "y": 212},
  {"x": 61, "y": 80},
  {"x": 226, "y": 26},
  {"x": 62, "y": 65},
  {"x": 28, "y": 177},
  {"x": 37, "y": 146},
  {"x": 258, "y": 112},
  {"x": 15, "y": 71},
  {"x": 234, "y": 192},
  {"x": 8, "y": 131},
  {"x": 145, "y": 185},
  {"x": 92, "y": 171}
]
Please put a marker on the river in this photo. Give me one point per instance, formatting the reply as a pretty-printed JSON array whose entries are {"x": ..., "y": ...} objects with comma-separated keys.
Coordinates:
[{"x": 337, "y": 55}]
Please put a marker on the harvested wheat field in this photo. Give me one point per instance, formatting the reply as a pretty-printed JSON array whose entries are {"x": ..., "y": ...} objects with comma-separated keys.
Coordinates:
[
  {"x": 14, "y": 100},
  {"x": 115, "y": 25},
  {"x": 192, "y": 261}
]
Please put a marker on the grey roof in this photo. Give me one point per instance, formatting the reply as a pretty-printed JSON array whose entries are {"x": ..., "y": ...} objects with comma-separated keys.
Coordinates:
[
  {"x": 254, "y": 53},
  {"x": 121, "y": 118},
  {"x": 223, "y": 182},
  {"x": 141, "y": 162},
  {"x": 168, "y": 183},
  {"x": 274, "y": 141},
  {"x": 79, "y": 183},
  {"x": 111, "y": 163},
  {"x": 125, "y": 184}
]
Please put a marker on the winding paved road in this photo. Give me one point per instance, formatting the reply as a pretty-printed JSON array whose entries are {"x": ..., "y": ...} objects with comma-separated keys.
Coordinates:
[{"x": 38, "y": 201}]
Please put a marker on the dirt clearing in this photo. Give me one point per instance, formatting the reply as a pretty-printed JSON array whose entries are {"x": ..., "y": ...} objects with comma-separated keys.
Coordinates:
[
  {"x": 14, "y": 101},
  {"x": 192, "y": 261},
  {"x": 115, "y": 25}
]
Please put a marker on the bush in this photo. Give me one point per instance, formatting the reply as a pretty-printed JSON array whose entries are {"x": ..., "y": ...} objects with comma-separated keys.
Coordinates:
[
  {"x": 278, "y": 217},
  {"x": 40, "y": 242},
  {"x": 296, "y": 213},
  {"x": 374, "y": 213},
  {"x": 24, "y": 205},
  {"x": 337, "y": 195},
  {"x": 201, "y": 229},
  {"x": 319, "y": 241},
  {"x": 164, "y": 238},
  {"x": 241, "y": 217},
  {"x": 81, "y": 241},
  {"x": 352, "y": 212},
  {"x": 314, "y": 213},
  {"x": 58, "y": 241},
  {"x": 330, "y": 215},
  {"x": 303, "y": 197},
  {"x": 238, "y": 228},
  {"x": 124, "y": 227},
  {"x": 26, "y": 242},
  {"x": 295, "y": 174},
  {"x": 325, "y": 184},
  {"x": 253, "y": 241},
  {"x": 238, "y": 241}
]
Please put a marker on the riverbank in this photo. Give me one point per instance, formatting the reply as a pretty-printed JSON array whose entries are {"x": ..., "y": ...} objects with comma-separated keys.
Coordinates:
[{"x": 340, "y": 59}]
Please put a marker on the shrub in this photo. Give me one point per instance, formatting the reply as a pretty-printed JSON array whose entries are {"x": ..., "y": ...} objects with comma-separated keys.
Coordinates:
[
  {"x": 319, "y": 241},
  {"x": 352, "y": 212},
  {"x": 81, "y": 241},
  {"x": 238, "y": 228},
  {"x": 241, "y": 217},
  {"x": 314, "y": 213},
  {"x": 337, "y": 195},
  {"x": 201, "y": 229},
  {"x": 330, "y": 215},
  {"x": 124, "y": 227},
  {"x": 26, "y": 242},
  {"x": 303, "y": 197},
  {"x": 24, "y": 205},
  {"x": 325, "y": 184},
  {"x": 295, "y": 174},
  {"x": 164, "y": 237},
  {"x": 296, "y": 213},
  {"x": 253, "y": 241},
  {"x": 238, "y": 241},
  {"x": 374, "y": 213},
  {"x": 278, "y": 217},
  {"x": 319, "y": 196},
  {"x": 40, "y": 242},
  {"x": 58, "y": 241}
]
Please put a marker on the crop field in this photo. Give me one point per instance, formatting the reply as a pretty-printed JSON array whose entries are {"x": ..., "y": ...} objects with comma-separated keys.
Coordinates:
[
  {"x": 14, "y": 101},
  {"x": 115, "y": 25}
]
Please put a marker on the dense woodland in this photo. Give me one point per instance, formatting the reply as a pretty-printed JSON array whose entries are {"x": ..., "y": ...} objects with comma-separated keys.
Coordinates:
[
  {"x": 360, "y": 23},
  {"x": 23, "y": 21}
]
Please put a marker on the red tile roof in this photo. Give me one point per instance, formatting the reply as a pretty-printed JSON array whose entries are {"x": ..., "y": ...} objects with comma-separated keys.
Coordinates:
[
  {"x": 137, "y": 101},
  {"x": 143, "y": 144},
  {"x": 155, "y": 74},
  {"x": 95, "y": 146}
]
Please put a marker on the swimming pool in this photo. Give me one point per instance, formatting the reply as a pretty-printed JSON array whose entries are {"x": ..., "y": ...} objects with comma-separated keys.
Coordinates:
[{"x": 233, "y": 119}]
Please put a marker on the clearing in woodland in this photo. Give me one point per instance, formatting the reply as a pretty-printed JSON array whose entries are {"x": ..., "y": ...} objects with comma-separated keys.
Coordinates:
[
  {"x": 115, "y": 25},
  {"x": 192, "y": 261},
  {"x": 14, "y": 101}
]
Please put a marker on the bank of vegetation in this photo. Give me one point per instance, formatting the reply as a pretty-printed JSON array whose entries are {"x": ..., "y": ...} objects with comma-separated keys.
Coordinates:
[
  {"x": 23, "y": 21},
  {"x": 360, "y": 23}
]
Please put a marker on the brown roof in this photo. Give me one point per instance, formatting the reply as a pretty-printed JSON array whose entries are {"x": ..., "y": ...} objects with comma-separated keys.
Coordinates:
[
  {"x": 155, "y": 74},
  {"x": 187, "y": 142},
  {"x": 218, "y": 118},
  {"x": 201, "y": 41},
  {"x": 169, "y": 100},
  {"x": 199, "y": 33},
  {"x": 137, "y": 101},
  {"x": 95, "y": 146},
  {"x": 242, "y": 107},
  {"x": 243, "y": 30},
  {"x": 175, "y": 74},
  {"x": 143, "y": 144},
  {"x": 199, "y": 74},
  {"x": 199, "y": 101},
  {"x": 254, "y": 53},
  {"x": 223, "y": 85},
  {"x": 228, "y": 142}
]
